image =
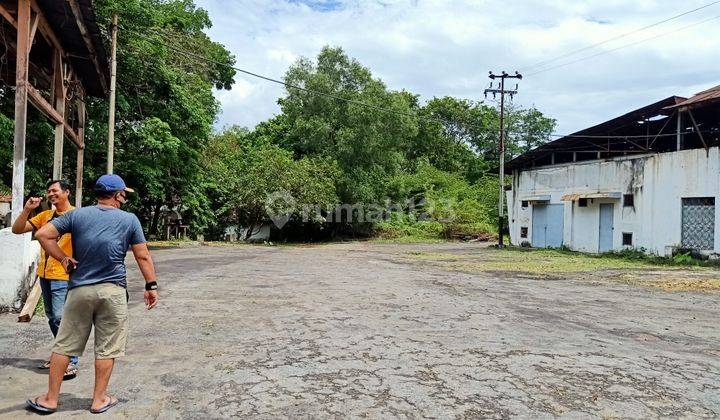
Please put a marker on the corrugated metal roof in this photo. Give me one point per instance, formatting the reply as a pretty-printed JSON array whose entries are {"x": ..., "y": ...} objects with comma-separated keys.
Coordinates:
[
  {"x": 701, "y": 98},
  {"x": 610, "y": 127}
]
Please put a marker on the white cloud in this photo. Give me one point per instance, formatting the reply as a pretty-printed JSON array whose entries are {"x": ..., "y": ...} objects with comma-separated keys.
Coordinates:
[
  {"x": 438, "y": 48},
  {"x": 281, "y": 55}
]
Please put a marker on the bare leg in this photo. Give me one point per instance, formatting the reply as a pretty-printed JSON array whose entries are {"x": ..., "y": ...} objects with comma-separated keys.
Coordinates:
[
  {"x": 103, "y": 369},
  {"x": 58, "y": 365}
]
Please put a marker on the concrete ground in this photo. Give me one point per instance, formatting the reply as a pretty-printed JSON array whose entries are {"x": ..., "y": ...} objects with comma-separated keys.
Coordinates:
[{"x": 366, "y": 330}]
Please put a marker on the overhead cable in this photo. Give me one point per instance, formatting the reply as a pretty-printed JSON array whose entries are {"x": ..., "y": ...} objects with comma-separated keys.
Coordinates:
[
  {"x": 196, "y": 56},
  {"x": 623, "y": 35}
]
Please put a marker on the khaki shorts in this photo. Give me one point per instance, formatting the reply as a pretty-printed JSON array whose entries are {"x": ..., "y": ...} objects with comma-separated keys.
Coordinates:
[{"x": 103, "y": 305}]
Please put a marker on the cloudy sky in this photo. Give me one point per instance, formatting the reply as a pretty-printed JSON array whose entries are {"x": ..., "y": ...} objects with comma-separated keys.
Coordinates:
[{"x": 438, "y": 48}]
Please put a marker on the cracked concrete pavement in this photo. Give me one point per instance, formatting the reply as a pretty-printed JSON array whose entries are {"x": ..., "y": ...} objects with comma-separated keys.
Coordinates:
[{"x": 361, "y": 330}]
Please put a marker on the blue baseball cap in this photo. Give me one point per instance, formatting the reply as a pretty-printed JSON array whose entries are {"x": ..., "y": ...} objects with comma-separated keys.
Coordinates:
[{"x": 111, "y": 183}]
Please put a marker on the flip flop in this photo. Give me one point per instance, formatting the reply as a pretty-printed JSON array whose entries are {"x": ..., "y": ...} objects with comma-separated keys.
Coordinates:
[
  {"x": 106, "y": 407},
  {"x": 44, "y": 365},
  {"x": 39, "y": 408},
  {"x": 71, "y": 372}
]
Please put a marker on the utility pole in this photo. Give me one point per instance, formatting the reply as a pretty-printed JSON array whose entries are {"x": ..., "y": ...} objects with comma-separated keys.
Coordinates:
[
  {"x": 111, "y": 117},
  {"x": 500, "y": 89}
]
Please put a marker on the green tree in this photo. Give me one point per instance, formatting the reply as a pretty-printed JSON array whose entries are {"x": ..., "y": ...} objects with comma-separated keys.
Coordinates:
[
  {"x": 453, "y": 136},
  {"x": 367, "y": 143},
  {"x": 453, "y": 126},
  {"x": 251, "y": 182},
  {"x": 165, "y": 103},
  {"x": 527, "y": 129}
]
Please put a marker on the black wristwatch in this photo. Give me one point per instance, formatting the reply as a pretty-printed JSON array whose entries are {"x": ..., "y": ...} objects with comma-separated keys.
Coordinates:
[{"x": 151, "y": 285}]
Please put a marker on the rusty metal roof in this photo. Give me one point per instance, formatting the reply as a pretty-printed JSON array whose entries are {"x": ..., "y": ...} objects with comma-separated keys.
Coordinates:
[
  {"x": 700, "y": 99},
  {"x": 66, "y": 29},
  {"x": 591, "y": 137},
  {"x": 60, "y": 16}
]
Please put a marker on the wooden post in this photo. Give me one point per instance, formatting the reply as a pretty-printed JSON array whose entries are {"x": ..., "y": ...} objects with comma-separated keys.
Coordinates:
[
  {"x": 80, "y": 152},
  {"x": 59, "y": 94},
  {"x": 21, "y": 95},
  {"x": 111, "y": 120}
]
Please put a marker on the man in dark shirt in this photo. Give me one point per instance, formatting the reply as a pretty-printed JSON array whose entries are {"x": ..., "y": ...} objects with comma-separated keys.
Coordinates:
[{"x": 101, "y": 236}]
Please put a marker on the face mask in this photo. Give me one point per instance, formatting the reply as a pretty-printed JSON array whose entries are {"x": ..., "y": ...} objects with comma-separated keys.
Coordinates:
[{"x": 120, "y": 199}]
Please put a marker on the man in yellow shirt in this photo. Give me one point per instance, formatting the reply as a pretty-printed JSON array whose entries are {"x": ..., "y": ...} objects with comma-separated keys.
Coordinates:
[{"x": 52, "y": 275}]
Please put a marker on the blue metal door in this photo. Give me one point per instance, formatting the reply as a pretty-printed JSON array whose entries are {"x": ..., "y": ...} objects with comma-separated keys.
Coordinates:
[
  {"x": 539, "y": 225},
  {"x": 605, "y": 242},
  {"x": 555, "y": 223},
  {"x": 547, "y": 225}
]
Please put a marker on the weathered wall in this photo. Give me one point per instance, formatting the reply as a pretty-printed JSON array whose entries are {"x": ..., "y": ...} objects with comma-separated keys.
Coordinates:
[
  {"x": 18, "y": 259},
  {"x": 658, "y": 182}
]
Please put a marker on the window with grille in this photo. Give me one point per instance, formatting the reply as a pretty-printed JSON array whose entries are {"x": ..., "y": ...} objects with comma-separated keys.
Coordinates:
[{"x": 698, "y": 223}]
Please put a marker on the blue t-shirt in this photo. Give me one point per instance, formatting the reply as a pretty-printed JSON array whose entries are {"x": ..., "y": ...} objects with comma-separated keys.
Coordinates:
[{"x": 101, "y": 237}]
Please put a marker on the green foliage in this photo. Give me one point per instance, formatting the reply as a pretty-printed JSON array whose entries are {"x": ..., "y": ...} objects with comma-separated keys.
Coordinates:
[
  {"x": 319, "y": 151},
  {"x": 683, "y": 258},
  {"x": 408, "y": 229},
  {"x": 248, "y": 180},
  {"x": 462, "y": 208},
  {"x": 164, "y": 112},
  {"x": 640, "y": 255},
  {"x": 527, "y": 129},
  {"x": 367, "y": 144}
]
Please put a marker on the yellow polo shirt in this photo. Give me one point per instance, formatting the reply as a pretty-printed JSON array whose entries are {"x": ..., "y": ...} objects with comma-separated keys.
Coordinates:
[{"x": 49, "y": 267}]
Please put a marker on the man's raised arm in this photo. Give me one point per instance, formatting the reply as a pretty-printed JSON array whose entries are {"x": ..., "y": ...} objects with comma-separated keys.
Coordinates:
[{"x": 21, "y": 224}]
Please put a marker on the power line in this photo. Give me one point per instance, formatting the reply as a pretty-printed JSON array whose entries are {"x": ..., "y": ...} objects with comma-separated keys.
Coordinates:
[
  {"x": 359, "y": 103},
  {"x": 287, "y": 85},
  {"x": 571, "y": 53},
  {"x": 291, "y": 86},
  {"x": 624, "y": 46}
]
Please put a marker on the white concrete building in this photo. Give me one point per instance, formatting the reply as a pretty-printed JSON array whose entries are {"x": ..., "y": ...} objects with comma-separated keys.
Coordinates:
[{"x": 631, "y": 182}]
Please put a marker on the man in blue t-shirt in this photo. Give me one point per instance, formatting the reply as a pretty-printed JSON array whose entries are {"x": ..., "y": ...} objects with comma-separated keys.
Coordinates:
[{"x": 101, "y": 236}]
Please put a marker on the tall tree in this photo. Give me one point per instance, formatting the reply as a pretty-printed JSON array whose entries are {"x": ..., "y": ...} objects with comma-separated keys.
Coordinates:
[
  {"x": 366, "y": 142},
  {"x": 165, "y": 103}
]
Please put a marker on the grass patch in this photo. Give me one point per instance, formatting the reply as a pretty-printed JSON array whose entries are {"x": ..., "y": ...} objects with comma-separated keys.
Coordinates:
[
  {"x": 408, "y": 231},
  {"x": 532, "y": 261},
  {"x": 671, "y": 283},
  {"x": 539, "y": 261},
  {"x": 428, "y": 231},
  {"x": 667, "y": 274},
  {"x": 679, "y": 260},
  {"x": 408, "y": 239}
]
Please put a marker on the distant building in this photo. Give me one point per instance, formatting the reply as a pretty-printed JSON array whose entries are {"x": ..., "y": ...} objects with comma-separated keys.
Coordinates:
[{"x": 648, "y": 179}]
